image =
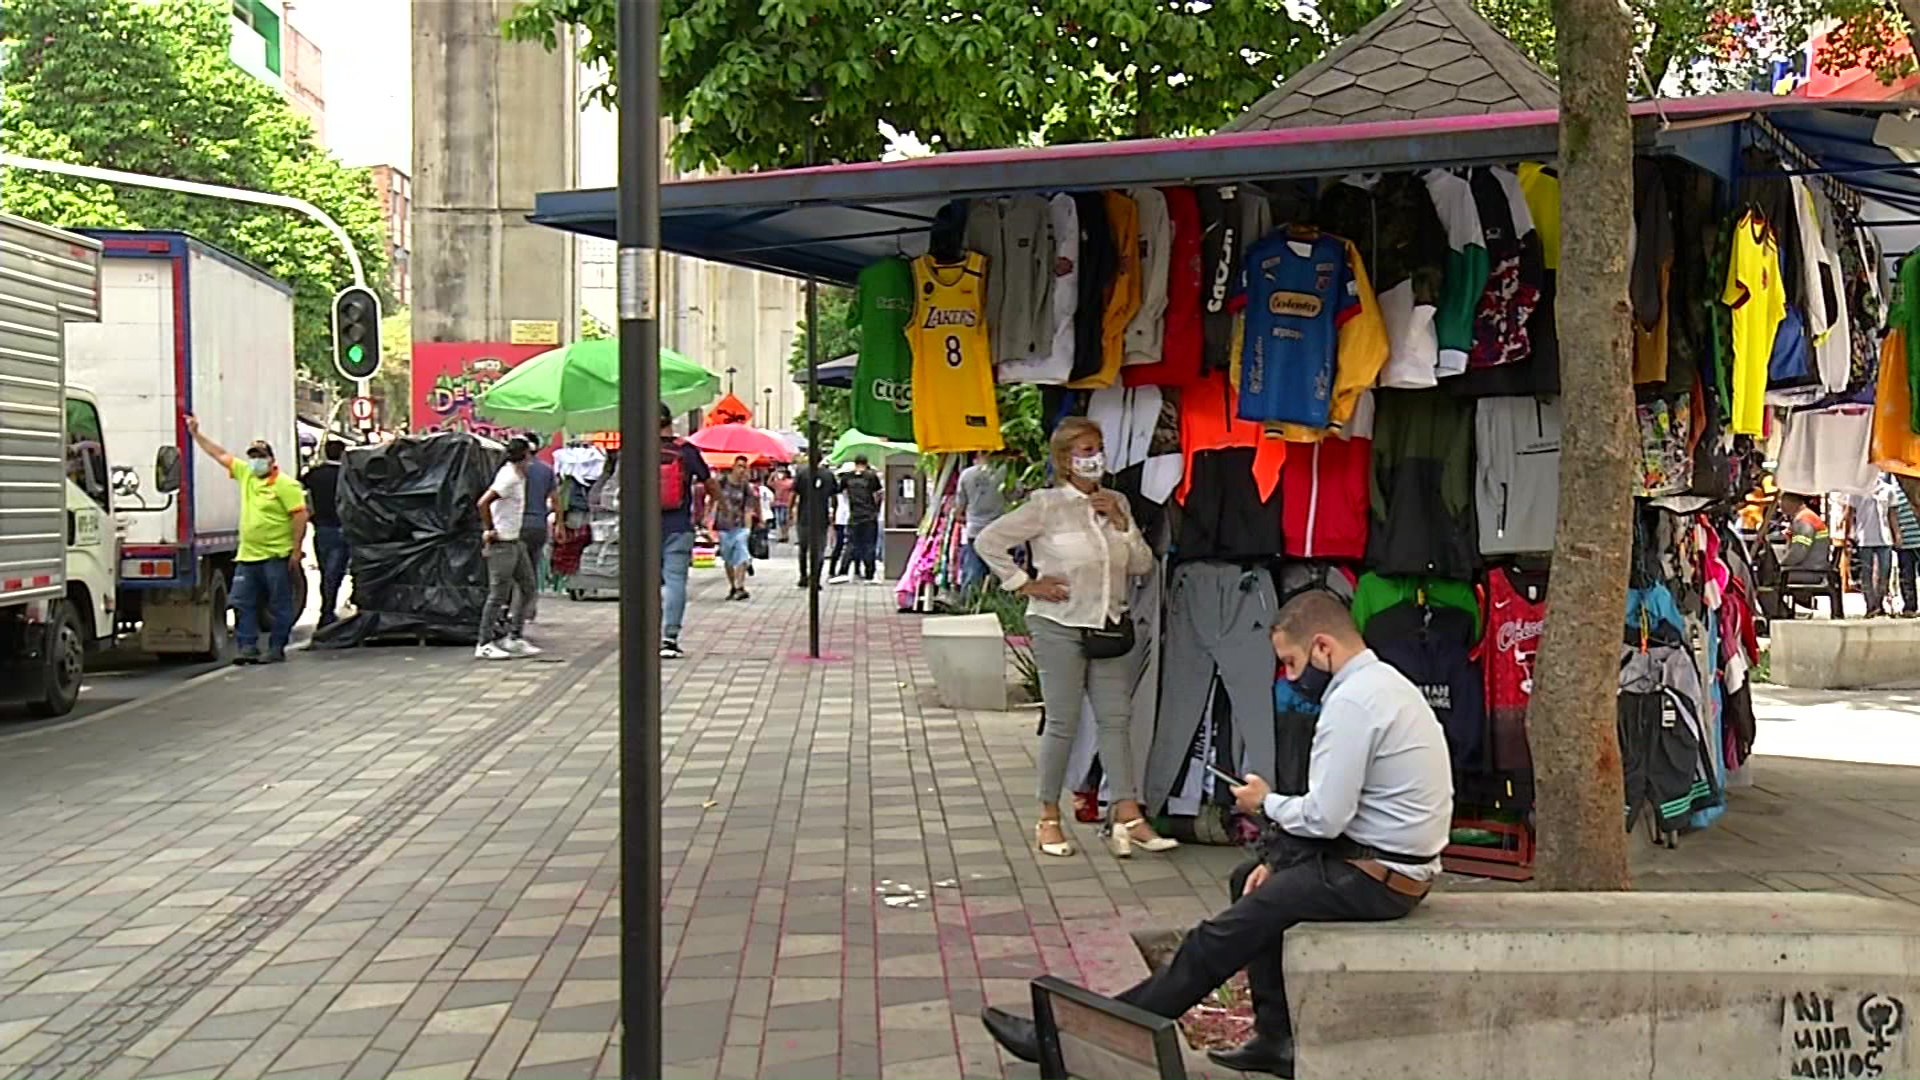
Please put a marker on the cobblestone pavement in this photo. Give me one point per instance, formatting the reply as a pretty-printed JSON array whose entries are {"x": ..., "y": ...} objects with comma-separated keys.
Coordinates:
[{"x": 402, "y": 863}]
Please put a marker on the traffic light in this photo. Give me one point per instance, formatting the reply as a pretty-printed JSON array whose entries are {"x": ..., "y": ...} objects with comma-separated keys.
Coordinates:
[{"x": 356, "y": 332}]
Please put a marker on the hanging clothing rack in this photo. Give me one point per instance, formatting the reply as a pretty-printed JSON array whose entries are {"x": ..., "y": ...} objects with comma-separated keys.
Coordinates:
[{"x": 1800, "y": 160}]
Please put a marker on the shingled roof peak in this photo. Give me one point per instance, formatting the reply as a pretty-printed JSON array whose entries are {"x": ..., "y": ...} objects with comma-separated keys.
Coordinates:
[{"x": 1438, "y": 57}]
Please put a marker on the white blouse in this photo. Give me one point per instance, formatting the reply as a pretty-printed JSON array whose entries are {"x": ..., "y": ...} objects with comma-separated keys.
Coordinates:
[{"x": 1094, "y": 556}]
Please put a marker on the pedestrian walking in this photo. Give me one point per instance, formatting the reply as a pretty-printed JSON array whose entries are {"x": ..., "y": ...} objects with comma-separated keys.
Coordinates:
[
  {"x": 732, "y": 515},
  {"x": 782, "y": 485},
  {"x": 510, "y": 584},
  {"x": 815, "y": 495},
  {"x": 1904, "y": 524},
  {"x": 1872, "y": 541},
  {"x": 542, "y": 522},
  {"x": 682, "y": 472},
  {"x": 330, "y": 548},
  {"x": 1363, "y": 843},
  {"x": 863, "y": 488},
  {"x": 837, "y": 559},
  {"x": 981, "y": 498},
  {"x": 1087, "y": 547},
  {"x": 273, "y": 531}
]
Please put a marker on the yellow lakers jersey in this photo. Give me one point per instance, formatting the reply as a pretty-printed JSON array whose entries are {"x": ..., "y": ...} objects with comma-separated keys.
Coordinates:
[{"x": 953, "y": 402}]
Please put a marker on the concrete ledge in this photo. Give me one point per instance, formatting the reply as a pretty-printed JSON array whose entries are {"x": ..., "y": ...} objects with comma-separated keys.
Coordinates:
[
  {"x": 968, "y": 657},
  {"x": 1846, "y": 654},
  {"x": 1615, "y": 984}
]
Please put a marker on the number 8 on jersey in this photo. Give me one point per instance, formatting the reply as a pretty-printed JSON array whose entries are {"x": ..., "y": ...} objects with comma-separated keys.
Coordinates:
[{"x": 954, "y": 406}]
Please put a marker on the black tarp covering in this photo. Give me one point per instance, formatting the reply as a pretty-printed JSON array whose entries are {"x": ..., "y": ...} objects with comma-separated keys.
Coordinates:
[{"x": 407, "y": 509}]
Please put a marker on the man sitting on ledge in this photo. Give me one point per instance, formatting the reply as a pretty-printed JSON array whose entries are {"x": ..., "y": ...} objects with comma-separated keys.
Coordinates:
[{"x": 1363, "y": 844}]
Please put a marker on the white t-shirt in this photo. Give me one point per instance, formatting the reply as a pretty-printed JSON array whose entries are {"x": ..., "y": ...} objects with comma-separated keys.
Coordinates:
[
  {"x": 766, "y": 503},
  {"x": 1056, "y": 366},
  {"x": 510, "y": 505}
]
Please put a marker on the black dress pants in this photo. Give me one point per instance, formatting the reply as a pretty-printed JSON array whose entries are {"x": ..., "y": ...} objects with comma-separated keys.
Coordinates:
[{"x": 1247, "y": 935}]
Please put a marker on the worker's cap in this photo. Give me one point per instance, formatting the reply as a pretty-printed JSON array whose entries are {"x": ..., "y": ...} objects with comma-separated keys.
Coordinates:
[{"x": 260, "y": 448}]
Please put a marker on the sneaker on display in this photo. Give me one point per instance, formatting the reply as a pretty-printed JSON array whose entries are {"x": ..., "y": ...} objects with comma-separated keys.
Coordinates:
[{"x": 492, "y": 650}]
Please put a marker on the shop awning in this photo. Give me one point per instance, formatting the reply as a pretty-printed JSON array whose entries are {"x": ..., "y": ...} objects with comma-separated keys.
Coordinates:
[{"x": 830, "y": 221}]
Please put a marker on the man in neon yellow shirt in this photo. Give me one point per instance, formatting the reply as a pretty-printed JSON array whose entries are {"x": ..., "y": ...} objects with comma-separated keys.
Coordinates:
[{"x": 273, "y": 530}]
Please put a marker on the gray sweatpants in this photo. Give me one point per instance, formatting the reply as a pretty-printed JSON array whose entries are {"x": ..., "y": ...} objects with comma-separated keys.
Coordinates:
[
  {"x": 1219, "y": 617},
  {"x": 510, "y": 587},
  {"x": 1067, "y": 678}
]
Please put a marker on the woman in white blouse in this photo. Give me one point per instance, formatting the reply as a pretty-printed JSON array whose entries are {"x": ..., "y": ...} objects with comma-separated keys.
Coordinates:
[{"x": 1085, "y": 548}]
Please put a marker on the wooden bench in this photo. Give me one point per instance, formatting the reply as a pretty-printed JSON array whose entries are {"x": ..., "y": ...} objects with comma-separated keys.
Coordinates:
[{"x": 1612, "y": 984}]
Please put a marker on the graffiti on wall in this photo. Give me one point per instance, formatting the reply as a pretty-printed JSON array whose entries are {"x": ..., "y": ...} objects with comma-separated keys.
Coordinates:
[
  {"x": 1841, "y": 1036},
  {"x": 449, "y": 375}
]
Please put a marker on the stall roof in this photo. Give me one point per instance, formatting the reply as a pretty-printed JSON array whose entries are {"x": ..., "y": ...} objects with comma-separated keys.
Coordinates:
[{"x": 830, "y": 221}]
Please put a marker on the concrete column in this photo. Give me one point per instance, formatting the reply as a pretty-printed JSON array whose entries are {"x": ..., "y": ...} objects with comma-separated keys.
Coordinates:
[{"x": 493, "y": 123}]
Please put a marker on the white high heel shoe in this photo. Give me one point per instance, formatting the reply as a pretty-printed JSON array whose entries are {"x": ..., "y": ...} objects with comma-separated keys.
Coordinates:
[
  {"x": 1060, "y": 850},
  {"x": 1157, "y": 843}
]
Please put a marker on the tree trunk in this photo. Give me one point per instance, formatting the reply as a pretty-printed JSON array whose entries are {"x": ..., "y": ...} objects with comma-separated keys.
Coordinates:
[{"x": 1576, "y": 753}]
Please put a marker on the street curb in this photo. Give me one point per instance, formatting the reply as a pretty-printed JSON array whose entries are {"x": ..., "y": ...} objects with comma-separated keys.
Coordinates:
[{"x": 115, "y": 710}]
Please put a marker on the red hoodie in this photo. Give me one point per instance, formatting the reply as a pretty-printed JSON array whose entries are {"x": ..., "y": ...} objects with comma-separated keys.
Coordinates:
[{"x": 1324, "y": 498}]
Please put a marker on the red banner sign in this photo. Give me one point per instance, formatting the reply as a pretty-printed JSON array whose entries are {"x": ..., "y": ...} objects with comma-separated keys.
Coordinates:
[{"x": 449, "y": 375}]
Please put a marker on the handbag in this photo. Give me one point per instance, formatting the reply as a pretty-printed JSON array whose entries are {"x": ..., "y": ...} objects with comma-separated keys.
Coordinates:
[
  {"x": 757, "y": 544},
  {"x": 1108, "y": 642}
]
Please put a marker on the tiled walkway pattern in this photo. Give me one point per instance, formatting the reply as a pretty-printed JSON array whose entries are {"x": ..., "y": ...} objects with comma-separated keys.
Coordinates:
[{"x": 403, "y": 863}]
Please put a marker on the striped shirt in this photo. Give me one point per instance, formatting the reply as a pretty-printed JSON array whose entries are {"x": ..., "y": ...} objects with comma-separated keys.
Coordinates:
[{"x": 1909, "y": 523}]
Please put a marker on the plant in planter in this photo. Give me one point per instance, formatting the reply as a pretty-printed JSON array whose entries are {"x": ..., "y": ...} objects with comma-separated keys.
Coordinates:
[{"x": 1011, "y": 609}]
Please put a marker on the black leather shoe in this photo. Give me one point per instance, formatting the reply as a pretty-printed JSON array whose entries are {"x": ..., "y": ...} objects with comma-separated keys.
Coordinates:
[
  {"x": 1260, "y": 1055},
  {"x": 1015, "y": 1033}
]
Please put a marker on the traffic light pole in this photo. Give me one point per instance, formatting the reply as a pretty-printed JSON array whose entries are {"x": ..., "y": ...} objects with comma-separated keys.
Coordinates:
[
  {"x": 637, "y": 65},
  {"x": 211, "y": 191}
]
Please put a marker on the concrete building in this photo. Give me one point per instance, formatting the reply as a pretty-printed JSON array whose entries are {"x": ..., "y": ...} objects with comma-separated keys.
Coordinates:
[
  {"x": 301, "y": 77},
  {"x": 493, "y": 123},
  {"x": 395, "y": 189},
  {"x": 257, "y": 38},
  {"x": 721, "y": 317}
]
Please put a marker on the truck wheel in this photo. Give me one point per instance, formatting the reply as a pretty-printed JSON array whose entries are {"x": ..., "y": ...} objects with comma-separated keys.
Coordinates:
[
  {"x": 220, "y": 640},
  {"x": 63, "y": 666}
]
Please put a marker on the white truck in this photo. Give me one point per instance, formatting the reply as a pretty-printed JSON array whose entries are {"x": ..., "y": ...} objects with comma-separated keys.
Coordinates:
[
  {"x": 57, "y": 542},
  {"x": 184, "y": 328}
]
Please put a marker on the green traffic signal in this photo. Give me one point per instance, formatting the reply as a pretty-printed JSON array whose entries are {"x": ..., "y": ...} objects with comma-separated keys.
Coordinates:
[{"x": 355, "y": 352}]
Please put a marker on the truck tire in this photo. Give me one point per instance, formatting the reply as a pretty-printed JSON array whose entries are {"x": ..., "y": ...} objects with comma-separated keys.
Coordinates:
[
  {"x": 64, "y": 665},
  {"x": 220, "y": 640}
]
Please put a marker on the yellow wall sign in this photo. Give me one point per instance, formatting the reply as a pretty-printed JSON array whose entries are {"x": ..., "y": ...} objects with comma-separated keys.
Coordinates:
[{"x": 534, "y": 332}]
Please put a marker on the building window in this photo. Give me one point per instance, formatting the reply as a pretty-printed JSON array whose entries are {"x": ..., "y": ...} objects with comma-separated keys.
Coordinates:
[{"x": 265, "y": 22}]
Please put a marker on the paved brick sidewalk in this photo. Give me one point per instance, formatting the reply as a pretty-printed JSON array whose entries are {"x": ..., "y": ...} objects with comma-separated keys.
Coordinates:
[{"x": 402, "y": 863}]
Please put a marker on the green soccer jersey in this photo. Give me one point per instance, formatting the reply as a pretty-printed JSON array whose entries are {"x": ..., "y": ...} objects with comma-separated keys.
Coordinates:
[{"x": 883, "y": 379}]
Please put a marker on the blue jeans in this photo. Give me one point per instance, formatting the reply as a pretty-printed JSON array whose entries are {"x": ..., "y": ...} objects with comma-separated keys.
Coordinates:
[
  {"x": 676, "y": 554},
  {"x": 330, "y": 548},
  {"x": 973, "y": 569},
  {"x": 249, "y": 580}
]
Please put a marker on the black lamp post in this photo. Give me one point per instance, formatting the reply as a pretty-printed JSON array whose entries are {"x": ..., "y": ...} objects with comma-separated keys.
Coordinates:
[{"x": 638, "y": 231}]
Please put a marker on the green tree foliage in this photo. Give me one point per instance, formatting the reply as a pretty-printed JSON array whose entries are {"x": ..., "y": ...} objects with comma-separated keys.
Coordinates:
[
  {"x": 393, "y": 383},
  {"x": 1702, "y": 46},
  {"x": 837, "y": 339},
  {"x": 149, "y": 88},
  {"x": 735, "y": 73}
]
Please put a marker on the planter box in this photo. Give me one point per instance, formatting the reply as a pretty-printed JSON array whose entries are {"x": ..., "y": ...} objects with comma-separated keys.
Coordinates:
[{"x": 968, "y": 657}]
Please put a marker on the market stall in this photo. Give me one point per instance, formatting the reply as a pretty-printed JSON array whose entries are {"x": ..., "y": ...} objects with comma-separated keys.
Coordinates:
[{"x": 1322, "y": 348}]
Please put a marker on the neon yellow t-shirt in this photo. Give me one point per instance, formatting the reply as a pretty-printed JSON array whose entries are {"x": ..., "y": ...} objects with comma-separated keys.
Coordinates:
[
  {"x": 266, "y": 513},
  {"x": 1759, "y": 302}
]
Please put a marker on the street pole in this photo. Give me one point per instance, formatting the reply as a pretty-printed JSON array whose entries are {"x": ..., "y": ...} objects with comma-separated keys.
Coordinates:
[
  {"x": 816, "y": 519},
  {"x": 638, "y": 232}
]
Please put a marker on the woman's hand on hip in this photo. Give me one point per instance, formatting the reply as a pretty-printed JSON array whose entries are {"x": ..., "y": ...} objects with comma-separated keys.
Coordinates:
[{"x": 1050, "y": 589}]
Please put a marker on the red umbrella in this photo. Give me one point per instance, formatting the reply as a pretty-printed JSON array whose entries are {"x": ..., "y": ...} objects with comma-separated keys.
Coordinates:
[{"x": 722, "y": 443}]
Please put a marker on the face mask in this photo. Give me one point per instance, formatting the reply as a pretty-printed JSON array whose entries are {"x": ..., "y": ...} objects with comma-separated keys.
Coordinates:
[
  {"x": 1311, "y": 683},
  {"x": 260, "y": 466},
  {"x": 1091, "y": 467}
]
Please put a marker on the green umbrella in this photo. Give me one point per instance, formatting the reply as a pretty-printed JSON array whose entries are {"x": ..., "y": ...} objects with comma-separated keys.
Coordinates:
[
  {"x": 853, "y": 443},
  {"x": 577, "y": 387}
]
